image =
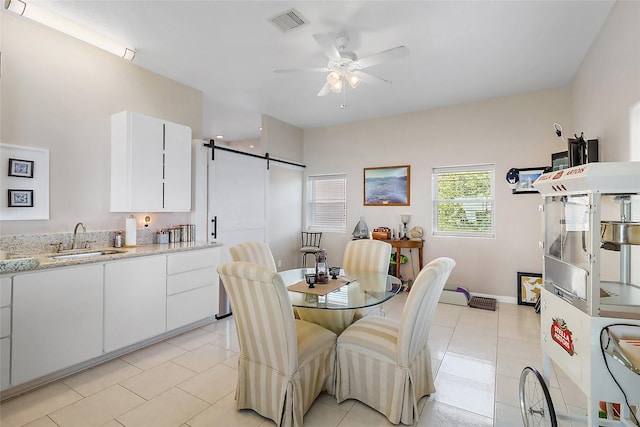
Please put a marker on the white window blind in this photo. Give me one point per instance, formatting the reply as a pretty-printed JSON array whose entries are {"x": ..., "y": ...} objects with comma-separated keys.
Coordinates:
[
  {"x": 463, "y": 200},
  {"x": 327, "y": 202}
]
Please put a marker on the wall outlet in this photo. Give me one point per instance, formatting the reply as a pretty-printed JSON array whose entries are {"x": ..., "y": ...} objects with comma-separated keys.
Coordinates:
[{"x": 279, "y": 263}]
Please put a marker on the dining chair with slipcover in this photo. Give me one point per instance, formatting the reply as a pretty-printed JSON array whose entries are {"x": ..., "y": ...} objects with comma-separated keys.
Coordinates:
[
  {"x": 367, "y": 255},
  {"x": 386, "y": 363},
  {"x": 364, "y": 255},
  {"x": 254, "y": 252},
  {"x": 284, "y": 362}
]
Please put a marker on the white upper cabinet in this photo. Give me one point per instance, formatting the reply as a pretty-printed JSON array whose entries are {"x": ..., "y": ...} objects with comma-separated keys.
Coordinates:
[{"x": 150, "y": 164}]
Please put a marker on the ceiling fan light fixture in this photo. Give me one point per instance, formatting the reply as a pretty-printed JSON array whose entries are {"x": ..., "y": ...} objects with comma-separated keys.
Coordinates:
[
  {"x": 337, "y": 87},
  {"x": 334, "y": 79},
  {"x": 353, "y": 80}
]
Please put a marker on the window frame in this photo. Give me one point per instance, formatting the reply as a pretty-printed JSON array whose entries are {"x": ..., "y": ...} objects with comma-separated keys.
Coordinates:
[
  {"x": 311, "y": 204},
  {"x": 436, "y": 173}
]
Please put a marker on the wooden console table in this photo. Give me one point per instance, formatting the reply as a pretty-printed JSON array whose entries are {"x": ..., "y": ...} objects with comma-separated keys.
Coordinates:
[{"x": 406, "y": 244}]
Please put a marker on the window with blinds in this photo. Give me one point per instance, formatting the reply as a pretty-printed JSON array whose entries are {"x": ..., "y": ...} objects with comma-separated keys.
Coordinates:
[
  {"x": 463, "y": 200},
  {"x": 327, "y": 202}
]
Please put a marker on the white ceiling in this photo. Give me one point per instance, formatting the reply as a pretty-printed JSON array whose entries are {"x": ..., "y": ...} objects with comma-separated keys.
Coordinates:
[{"x": 459, "y": 51}]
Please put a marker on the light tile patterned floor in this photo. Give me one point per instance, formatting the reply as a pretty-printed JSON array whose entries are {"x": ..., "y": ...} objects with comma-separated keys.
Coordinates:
[{"x": 189, "y": 380}]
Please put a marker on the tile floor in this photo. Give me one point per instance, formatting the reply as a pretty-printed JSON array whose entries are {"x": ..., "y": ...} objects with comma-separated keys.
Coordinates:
[{"x": 189, "y": 380}]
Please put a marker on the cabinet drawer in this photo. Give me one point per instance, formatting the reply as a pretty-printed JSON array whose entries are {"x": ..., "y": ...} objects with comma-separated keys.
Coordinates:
[
  {"x": 5, "y": 322},
  {"x": 191, "y": 280},
  {"x": 189, "y": 307},
  {"x": 5, "y": 353},
  {"x": 192, "y": 260},
  {"x": 5, "y": 291}
]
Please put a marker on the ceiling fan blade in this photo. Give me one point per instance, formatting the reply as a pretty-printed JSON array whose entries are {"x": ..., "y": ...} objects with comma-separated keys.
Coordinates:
[
  {"x": 300, "y": 70},
  {"x": 328, "y": 45},
  {"x": 370, "y": 78},
  {"x": 324, "y": 90},
  {"x": 386, "y": 55}
]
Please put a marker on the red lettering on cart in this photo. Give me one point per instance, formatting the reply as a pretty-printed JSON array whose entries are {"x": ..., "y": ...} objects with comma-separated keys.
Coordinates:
[
  {"x": 576, "y": 171},
  {"x": 562, "y": 335},
  {"x": 544, "y": 177}
]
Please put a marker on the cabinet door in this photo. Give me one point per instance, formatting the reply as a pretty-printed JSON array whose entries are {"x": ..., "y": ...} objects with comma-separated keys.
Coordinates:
[
  {"x": 146, "y": 163},
  {"x": 57, "y": 320},
  {"x": 177, "y": 173},
  {"x": 135, "y": 301}
]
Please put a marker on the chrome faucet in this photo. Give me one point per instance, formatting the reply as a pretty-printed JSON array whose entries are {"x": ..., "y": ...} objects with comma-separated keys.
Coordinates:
[{"x": 75, "y": 232}]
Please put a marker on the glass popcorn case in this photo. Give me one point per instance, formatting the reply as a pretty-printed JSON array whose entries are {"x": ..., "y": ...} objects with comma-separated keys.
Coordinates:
[{"x": 591, "y": 241}]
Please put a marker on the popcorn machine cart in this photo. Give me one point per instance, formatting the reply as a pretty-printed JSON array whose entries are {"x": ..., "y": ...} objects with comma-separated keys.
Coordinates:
[{"x": 590, "y": 301}]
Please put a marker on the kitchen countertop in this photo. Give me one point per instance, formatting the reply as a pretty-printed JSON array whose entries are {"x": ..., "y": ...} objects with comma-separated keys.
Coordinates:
[{"x": 18, "y": 263}]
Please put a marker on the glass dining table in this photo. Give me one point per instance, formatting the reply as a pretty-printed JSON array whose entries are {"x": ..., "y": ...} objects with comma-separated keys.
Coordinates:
[{"x": 340, "y": 307}]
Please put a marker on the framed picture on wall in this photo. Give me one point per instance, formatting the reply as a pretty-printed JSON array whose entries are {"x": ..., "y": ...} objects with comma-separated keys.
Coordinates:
[
  {"x": 529, "y": 288},
  {"x": 527, "y": 178},
  {"x": 21, "y": 168},
  {"x": 560, "y": 160},
  {"x": 387, "y": 186},
  {"x": 20, "y": 198}
]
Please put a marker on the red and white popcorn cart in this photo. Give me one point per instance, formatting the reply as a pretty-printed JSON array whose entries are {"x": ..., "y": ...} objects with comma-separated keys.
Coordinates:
[{"x": 590, "y": 301}]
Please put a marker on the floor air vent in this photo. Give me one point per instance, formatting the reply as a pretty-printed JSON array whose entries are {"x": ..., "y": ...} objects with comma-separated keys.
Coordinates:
[
  {"x": 483, "y": 303},
  {"x": 288, "y": 20}
]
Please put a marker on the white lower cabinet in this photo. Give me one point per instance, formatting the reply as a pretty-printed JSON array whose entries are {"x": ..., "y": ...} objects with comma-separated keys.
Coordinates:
[
  {"x": 57, "y": 320},
  {"x": 135, "y": 304},
  {"x": 5, "y": 357},
  {"x": 192, "y": 286},
  {"x": 5, "y": 331}
]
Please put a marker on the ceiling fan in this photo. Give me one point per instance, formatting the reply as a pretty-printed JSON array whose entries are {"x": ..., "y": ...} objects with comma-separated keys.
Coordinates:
[{"x": 344, "y": 64}]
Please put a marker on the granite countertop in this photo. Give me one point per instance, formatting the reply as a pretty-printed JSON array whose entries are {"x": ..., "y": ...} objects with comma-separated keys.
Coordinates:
[{"x": 11, "y": 263}]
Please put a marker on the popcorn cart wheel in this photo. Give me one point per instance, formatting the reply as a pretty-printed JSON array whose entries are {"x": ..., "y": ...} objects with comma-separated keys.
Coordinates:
[{"x": 535, "y": 400}]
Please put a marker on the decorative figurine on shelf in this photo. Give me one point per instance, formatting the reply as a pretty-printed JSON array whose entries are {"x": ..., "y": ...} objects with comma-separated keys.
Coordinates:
[
  {"x": 361, "y": 231},
  {"x": 416, "y": 233},
  {"x": 405, "y": 221},
  {"x": 322, "y": 267}
]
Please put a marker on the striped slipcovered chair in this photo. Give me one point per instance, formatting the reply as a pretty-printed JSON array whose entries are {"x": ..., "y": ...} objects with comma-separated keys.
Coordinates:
[
  {"x": 284, "y": 363},
  {"x": 254, "y": 252},
  {"x": 367, "y": 255},
  {"x": 386, "y": 363},
  {"x": 360, "y": 255}
]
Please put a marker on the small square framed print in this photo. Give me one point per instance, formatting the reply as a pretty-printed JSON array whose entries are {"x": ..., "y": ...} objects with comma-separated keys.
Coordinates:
[
  {"x": 21, "y": 168},
  {"x": 529, "y": 288},
  {"x": 20, "y": 198}
]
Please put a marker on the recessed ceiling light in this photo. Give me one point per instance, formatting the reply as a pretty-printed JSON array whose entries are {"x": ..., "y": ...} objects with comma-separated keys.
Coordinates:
[{"x": 220, "y": 136}]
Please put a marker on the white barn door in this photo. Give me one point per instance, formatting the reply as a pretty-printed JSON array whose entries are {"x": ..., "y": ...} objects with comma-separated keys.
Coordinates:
[{"x": 238, "y": 186}]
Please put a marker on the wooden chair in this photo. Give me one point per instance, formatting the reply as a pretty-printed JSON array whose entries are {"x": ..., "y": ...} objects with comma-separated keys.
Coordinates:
[
  {"x": 310, "y": 245},
  {"x": 386, "y": 363},
  {"x": 284, "y": 363}
]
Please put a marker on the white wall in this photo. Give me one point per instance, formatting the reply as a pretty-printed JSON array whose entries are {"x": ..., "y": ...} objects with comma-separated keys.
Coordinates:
[
  {"x": 283, "y": 141},
  {"x": 607, "y": 85},
  {"x": 59, "y": 93},
  {"x": 508, "y": 132},
  {"x": 606, "y": 102}
]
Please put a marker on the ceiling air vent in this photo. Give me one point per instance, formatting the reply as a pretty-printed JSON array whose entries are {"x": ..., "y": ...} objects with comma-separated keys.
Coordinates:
[{"x": 288, "y": 20}]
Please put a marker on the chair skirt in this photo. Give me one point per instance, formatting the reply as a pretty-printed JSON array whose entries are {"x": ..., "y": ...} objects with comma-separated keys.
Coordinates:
[
  {"x": 275, "y": 395},
  {"x": 367, "y": 370}
]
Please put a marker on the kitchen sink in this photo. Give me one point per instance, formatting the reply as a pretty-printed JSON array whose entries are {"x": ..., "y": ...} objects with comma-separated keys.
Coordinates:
[{"x": 86, "y": 253}]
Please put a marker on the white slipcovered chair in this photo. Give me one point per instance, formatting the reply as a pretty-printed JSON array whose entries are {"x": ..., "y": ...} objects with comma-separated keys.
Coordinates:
[
  {"x": 284, "y": 363},
  {"x": 254, "y": 252},
  {"x": 367, "y": 255},
  {"x": 386, "y": 363},
  {"x": 360, "y": 255}
]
